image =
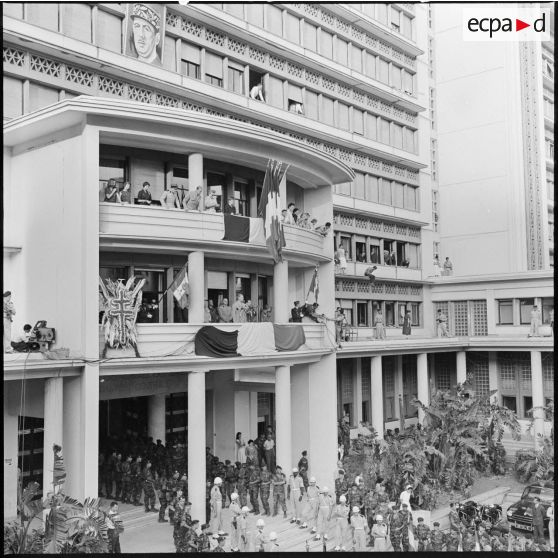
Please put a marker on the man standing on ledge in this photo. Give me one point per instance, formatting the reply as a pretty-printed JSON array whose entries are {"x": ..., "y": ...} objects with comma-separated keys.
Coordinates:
[{"x": 442, "y": 324}]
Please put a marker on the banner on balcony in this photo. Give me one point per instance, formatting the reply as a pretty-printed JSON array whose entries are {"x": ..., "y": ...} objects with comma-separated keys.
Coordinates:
[
  {"x": 244, "y": 229},
  {"x": 250, "y": 339}
]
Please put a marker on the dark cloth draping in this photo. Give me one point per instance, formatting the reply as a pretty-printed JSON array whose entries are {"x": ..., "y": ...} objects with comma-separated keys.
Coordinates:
[
  {"x": 237, "y": 228},
  {"x": 212, "y": 342},
  {"x": 288, "y": 337}
]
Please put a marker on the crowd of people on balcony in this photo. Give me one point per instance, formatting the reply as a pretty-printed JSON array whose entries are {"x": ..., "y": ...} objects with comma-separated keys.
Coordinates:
[
  {"x": 240, "y": 312},
  {"x": 295, "y": 216},
  {"x": 447, "y": 267}
]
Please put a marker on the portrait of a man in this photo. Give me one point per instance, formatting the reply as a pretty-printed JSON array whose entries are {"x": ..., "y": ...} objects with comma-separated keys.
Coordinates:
[{"x": 145, "y": 32}]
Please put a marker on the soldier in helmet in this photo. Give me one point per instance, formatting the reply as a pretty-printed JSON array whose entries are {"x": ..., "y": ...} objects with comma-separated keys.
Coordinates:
[
  {"x": 235, "y": 510},
  {"x": 260, "y": 539},
  {"x": 310, "y": 512},
  {"x": 279, "y": 482},
  {"x": 325, "y": 511},
  {"x": 216, "y": 501},
  {"x": 265, "y": 488},
  {"x": 341, "y": 515},
  {"x": 242, "y": 527},
  {"x": 295, "y": 491},
  {"x": 359, "y": 526},
  {"x": 379, "y": 534},
  {"x": 422, "y": 534},
  {"x": 437, "y": 538}
]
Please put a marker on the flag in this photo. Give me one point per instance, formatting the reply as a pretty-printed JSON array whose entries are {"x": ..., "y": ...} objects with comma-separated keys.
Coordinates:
[
  {"x": 270, "y": 209},
  {"x": 314, "y": 285},
  {"x": 243, "y": 229},
  {"x": 182, "y": 290}
]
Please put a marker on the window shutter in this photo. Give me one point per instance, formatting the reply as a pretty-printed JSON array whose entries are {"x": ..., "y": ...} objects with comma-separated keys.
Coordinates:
[
  {"x": 295, "y": 93},
  {"x": 213, "y": 65},
  {"x": 192, "y": 53}
]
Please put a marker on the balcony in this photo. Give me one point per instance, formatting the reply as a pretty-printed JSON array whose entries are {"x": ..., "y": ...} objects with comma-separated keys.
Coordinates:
[
  {"x": 390, "y": 272},
  {"x": 132, "y": 227}
]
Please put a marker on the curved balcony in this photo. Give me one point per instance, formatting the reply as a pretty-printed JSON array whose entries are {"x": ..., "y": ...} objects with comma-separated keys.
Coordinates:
[
  {"x": 134, "y": 227},
  {"x": 391, "y": 272}
]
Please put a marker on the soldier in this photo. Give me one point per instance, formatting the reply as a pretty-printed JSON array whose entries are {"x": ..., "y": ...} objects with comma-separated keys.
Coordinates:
[
  {"x": 242, "y": 484},
  {"x": 221, "y": 472},
  {"x": 303, "y": 467},
  {"x": 358, "y": 524},
  {"x": 355, "y": 497},
  {"x": 254, "y": 488},
  {"x": 230, "y": 479},
  {"x": 216, "y": 501},
  {"x": 325, "y": 510},
  {"x": 370, "y": 507},
  {"x": 437, "y": 538},
  {"x": 127, "y": 480},
  {"x": 469, "y": 540},
  {"x": 135, "y": 473},
  {"x": 341, "y": 515},
  {"x": 260, "y": 539},
  {"x": 295, "y": 491},
  {"x": 161, "y": 486},
  {"x": 452, "y": 541},
  {"x": 341, "y": 486},
  {"x": 235, "y": 512},
  {"x": 379, "y": 534},
  {"x": 160, "y": 455},
  {"x": 407, "y": 521},
  {"x": 172, "y": 488},
  {"x": 203, "y": 539},
  {"x": 208, "y": 502},
  {"x": 278, "y": 482},
  {"x": 265, "y": 487},
  {"x": 179, "y": 509},
  {"x": 118, "y": 477},
  {"x": 109, "y": 475},
  {"x": 422, "y": 534},
  {"x": 242, "y": 527},
  {"x": 310, "y": 512},
  {"x": 454, "y": 519},
  {"x": 148, "y": 488},
  {"x": 396, "y": 528}
]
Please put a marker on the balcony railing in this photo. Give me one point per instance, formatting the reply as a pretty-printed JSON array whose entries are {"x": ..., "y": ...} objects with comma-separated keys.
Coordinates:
[
  {"x": 160, "y": 340},
  {"x": 384, "y": 271},
  {"x": 166, "y": 225}
]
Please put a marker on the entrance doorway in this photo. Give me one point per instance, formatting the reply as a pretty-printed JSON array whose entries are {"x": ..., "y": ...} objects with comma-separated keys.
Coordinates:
[
  {"x": 152, "y": 311},
  {"x": 266, "y": 412},
  {"x": 30, "y": 450},
  {"x": 122, "y": 419}
]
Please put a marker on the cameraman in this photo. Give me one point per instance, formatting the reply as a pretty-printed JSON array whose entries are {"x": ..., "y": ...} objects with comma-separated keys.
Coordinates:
[{"x": 22, "y": 343}]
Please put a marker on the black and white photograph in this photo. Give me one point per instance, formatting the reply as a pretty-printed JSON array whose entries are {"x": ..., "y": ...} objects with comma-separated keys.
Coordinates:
[{"x": 278, "y": 277}]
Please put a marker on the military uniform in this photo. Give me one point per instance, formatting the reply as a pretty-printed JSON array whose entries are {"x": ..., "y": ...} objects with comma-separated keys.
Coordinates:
[
  {"x": 455, "y": 521},
  {"x": 469, "y": 542},
  {"x": 235, "y": 534},
  {"x": 135, "y": 472},
  {"x": 303, "y": 470},
  {"x": 452, "y": 544},
  {"x": 279, "y": 481},
  {"x": 179, "y": 510},
  {"x": 265, "y": 487},
  {"x": 341, "y": 487},
  {"x": 254, "y": 488},
  {"x": 294, "y": 488},
  {"x": 126, "y": 482},
  {"x": 118, "y": 479},
  {"x": 358, "y": 523},
  {"x": 341, "y": 515},
  {"x": 108, "y": 475},
  {"x": 242, "y": 528},
  {"x": 161, "y": 486},
  {"x": 311, "y": 508},
  {"x": 370, "y": 507},
  {"x": 230, "y": 480},
  {"x": 242, "y": 485},
  {"x": 148, "y": 489},
  {"x": 407, "y": 520},
  {"x": 216, "y": 507},
  {"x": 437, "y": 540},
  {"x": 422, "y": 534},
  {"x": 354, "y": 497},
  {"x": 325, "y": 509}
]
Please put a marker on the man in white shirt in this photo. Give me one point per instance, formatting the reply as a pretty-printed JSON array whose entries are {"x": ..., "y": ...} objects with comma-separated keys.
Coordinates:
[
  {"x": 21, "y": 341},
  {"x": 405, "y": 496},
  {"x": 269, "y": 452},
  {"x": 289, "y": 218}
]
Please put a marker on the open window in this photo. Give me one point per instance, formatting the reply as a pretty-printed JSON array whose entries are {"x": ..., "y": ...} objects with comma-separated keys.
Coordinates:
[
  {"x": 255, "y": 78},
  {"x": 360, "y": 252}
]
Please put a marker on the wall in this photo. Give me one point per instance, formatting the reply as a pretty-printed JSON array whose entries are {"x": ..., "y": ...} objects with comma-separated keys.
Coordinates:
[{"x": 224, "y": 415}]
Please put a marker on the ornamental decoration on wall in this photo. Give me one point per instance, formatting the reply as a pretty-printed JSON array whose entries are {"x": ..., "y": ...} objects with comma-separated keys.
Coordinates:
[{"x": 120, "y": 302}]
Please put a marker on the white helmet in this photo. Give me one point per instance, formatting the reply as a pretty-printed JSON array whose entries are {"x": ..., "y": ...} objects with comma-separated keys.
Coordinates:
[
  {"x": 356, "y": 509},
  {"x": 217, "y": 480},
  {"x": 325, "y": 489},
  {"x": 273, "y": 536},
  {"x": 295, "y": 470},
  {"x": 379, "y": 518},
  {"x": 245, "y": 509},
  {"x": 312, "y": 479},
  {"x": 260, "y": 523},
  {"x": 342, "y": 498},
  {"x": 234, "y": 496}
]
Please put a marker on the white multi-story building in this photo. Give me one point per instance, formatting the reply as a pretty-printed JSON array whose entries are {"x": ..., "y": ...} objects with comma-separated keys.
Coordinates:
[{"x": 356, "y": 104}]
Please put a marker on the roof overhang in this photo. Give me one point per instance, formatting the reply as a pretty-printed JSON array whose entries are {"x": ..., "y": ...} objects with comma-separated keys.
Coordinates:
[{"x": 138, "y": 124}]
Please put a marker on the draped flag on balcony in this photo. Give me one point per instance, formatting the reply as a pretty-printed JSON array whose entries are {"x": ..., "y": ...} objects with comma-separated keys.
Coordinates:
[
  {"x": 270, "y": 209},
  {"x": 314, "y": 285},
  {"x": 243, "y": 229},
  {"x": 182, "y": 290}
]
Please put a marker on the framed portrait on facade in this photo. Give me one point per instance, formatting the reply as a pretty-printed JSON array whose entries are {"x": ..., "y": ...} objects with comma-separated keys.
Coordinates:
[{"x": 145, "y": 32}]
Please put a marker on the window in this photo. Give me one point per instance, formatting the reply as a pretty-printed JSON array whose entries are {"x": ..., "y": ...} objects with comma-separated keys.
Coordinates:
[
  {"x": 407, "y": 26},
  {"x": 371, "y": 189},
  {"x": 397, "y": 194},
  {"x": 371, "y": 126},
  {"x": 274, "y": 20},
  {"x": 13, "y": 96},
  {"x": 343, "y": 114},
  {"x": 385, "y": 191},
  {"x": 547, "y": 306},
  {"x": 311, "y": 105},
  {"x": 411, "y": 198},
  {"x": 383, "y": 71},
  {"x": 358, "y": 186},
  {"x": 326, "y": 114},
  {"x": 435, "y": 249},
  {"x": 235, "y": 78},
  {"x": 362, "y": 314},
  {"x": 341, "y": 51},
  {"x": 358, "y": 121},
  {"x": 190, "y": 63},
  {"x": 360, "y": 252},
  {"x": 254, "y": 13},
  {"x": 412, "y": 254},
  {"x": 415, "y": 317},
  {"x": 41, "y": 96},
  {"x": 525, "y": 307},
  {"x": 294, "y": 103},
  {"x": 381, "y": 13},
  {"x": 291, "y": 28},
  {"x": 216, "y": 182},
  {"x": 344, "y": 188},
  {"x": 384, "y": 130},
  {"x": 505, "y": 312},
  {"x": 401, "y": 310},
  {"x": 108, "y": 31},
  {"x": 237, "y": 10},
  {"x": 409, "y": 140},
  {"x": 397, "y": 136},
  {"x": 295, "y": 106},
  {"x": 395, "y": 19},
  {"x": 76, "y": 21},
  {"x": 326, "y": 44},
  {"x": 43, "y": 15},
  {"x": 396, "y": 80},
  {"x": 347, "y": 244},
  {"x": 374, "y": 254},
  {"x": 274, "y": 93},
  {"x": 390, "y": 313},
  {"x": 310, "y": 36},
  {"x": 241, "y": 196},
  {"x": 407, "y": 82},
  {"x": 369, "y": 65},
  {"x": 213, "y": 69},
  {"x": 356, "y": 58}
]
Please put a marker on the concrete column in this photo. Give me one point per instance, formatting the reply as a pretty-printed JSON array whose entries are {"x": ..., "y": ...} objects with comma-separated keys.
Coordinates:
[
  {"x": 90, "y": 430},
  {"x": 195, "y": 177},
  {"x": 10, "y": 459},
  {"x": 398, "y": 384},
  {"x": 377, "y": 395},
  {"x": 357, "y": 383},
  {"x": 283, "y": 417},
  {"x": 53, "y": 434},
  {"x": 281, "y": 299},
  {"x": 423, "y": 386},
  {"x": 493, "y": 375},
  {"x": 156, "y": 427},
  {"x": 196, "y": 444},
  {"x": 196, "y": 278},
  {"x": 538, "y": 394},
  {"x": 461, "y": 364}
]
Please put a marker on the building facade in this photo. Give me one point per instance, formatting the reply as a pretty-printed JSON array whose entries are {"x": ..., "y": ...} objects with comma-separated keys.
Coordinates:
[{"x": 347, "y": 102}]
